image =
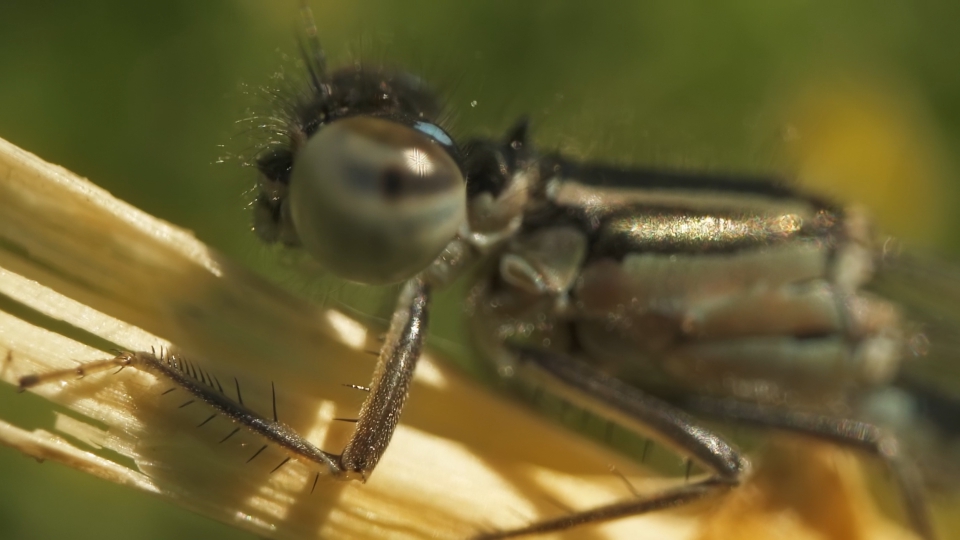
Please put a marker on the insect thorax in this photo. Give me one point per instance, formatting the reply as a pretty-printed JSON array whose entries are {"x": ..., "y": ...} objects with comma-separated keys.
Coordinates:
[
  {"x": 671, "y": 282},
  {"x": 680, "y": 285}
]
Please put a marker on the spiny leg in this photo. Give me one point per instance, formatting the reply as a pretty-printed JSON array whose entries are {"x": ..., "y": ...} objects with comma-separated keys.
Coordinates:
[
  {"x": 850, "y": 433},
  {"x": 187, "y": 378},
  {"x": 391, "y": 380},
  {"x": 581, "y": 383},
  {"x": 379, "y": 413}
]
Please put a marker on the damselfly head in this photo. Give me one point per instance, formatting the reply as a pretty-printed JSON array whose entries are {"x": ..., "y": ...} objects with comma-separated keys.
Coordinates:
[{"x": 364, "y": 178}]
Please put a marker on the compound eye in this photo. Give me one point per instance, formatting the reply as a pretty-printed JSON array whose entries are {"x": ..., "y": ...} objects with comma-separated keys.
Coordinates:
[{"x": 375, "y": 201}]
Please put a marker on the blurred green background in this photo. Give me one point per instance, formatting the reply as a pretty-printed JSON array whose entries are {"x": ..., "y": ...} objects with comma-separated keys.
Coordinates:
[{"x": 144, "y": 99}]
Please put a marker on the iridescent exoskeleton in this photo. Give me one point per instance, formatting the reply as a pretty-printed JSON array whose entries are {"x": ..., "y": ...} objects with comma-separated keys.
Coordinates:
[{"x": 647, "y": 297}]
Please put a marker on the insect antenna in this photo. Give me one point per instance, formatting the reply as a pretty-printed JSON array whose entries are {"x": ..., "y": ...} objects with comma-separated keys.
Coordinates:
[{"x": 311, "y": 50}]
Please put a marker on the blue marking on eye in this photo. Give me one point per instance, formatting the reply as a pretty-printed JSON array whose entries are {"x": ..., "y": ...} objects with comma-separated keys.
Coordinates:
[{"x": 435, "y": 132}]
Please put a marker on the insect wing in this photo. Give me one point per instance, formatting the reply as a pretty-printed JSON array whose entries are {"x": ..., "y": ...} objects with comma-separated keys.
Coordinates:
[{"x": 924, "y": 403}]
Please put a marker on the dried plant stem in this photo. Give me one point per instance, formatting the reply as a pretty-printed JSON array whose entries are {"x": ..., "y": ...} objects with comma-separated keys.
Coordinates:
[{"x": 463, "y": 460}]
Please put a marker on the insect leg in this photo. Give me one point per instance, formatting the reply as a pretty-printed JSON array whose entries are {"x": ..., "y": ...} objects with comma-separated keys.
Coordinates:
[
  {"x": 851, "y": 433},
  {"x": 82, "y": 370},
  {"x": 174, "y": 368},
  {"x": 626, "y": 405},
  {"x": 391, "y": 380},
  {"x": 658, "y": 501}
]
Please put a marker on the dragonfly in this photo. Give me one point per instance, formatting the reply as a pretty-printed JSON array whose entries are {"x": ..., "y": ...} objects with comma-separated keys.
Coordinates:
[{"x": 651, "y": 298}]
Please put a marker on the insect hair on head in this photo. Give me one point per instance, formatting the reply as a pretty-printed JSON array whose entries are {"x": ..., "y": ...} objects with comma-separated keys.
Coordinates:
[{"x": 307, "y": 93}]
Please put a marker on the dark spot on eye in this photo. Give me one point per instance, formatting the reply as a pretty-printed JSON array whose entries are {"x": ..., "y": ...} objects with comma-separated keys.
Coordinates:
[{"x": 391, "y": 183}]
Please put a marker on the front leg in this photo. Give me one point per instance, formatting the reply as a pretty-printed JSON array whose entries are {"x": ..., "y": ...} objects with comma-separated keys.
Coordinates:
[{"x": 391, "y": 380}]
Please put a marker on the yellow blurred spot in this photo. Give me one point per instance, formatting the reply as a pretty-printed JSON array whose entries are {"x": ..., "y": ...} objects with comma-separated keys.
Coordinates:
[
  {"x": 870, "y": 144},
  {"x": 802, "y": 490}
]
